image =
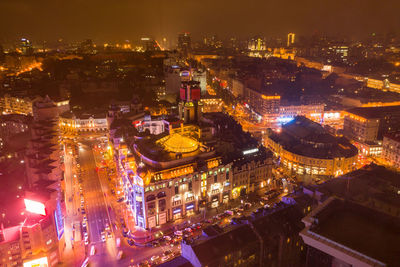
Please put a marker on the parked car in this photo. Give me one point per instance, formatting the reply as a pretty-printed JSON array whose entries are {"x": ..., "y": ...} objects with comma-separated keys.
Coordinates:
[{"x": 130, "y": 242}]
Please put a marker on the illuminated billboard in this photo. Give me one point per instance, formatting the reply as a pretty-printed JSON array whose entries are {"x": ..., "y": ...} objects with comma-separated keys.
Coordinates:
[
  {"x": 41, "y": 262},
  {"x": 250, "y": 151},
  {"x": 35, "y": 207}
]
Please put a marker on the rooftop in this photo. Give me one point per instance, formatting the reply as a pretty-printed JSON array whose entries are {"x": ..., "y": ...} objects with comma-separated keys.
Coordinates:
[
  {"x": 232, "y": 239},
  {"x": 305, "y": 137},
  {"x": 369, "y": 232},
  {"x": 374, "y": 112}
]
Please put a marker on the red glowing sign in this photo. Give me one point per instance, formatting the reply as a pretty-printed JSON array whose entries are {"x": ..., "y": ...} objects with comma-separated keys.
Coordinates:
[{"x": 35, "y": 207}]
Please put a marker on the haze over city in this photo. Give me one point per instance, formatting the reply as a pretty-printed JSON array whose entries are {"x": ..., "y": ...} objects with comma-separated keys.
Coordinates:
[{"x": 104, "y": 21}]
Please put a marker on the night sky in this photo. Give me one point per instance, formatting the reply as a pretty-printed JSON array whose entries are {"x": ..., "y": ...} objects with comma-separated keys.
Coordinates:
[{"x": 109, "y": 20}]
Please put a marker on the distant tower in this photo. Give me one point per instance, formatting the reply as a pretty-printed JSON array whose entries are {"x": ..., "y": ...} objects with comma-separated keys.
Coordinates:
[
  {"x": 290, "y": 39},
  {"x": 26, "y": 47},
  {"x": 184, "y": 43}
]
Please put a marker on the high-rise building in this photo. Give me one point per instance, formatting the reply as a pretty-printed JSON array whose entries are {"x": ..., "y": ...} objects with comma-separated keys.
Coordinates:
[
  {"x": 184, "y": 42},
  {"x": 26, "y": 47},
  {"x": 290, "y": 39},
  {"x": 87, "y": 47},
  {"x": 150, "y": 44},
  {"x": 256, "y": 46}
]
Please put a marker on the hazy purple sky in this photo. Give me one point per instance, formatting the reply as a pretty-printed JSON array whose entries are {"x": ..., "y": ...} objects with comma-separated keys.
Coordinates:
[{"x": 130, "y": 19}]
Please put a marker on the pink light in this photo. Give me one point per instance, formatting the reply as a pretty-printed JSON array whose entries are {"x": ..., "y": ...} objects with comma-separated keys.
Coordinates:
[{"x": 35, "y": 207}]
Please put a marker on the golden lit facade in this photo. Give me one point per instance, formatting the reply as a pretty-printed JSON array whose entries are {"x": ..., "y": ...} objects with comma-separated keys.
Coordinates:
[
  {"x": 158, "y": 197},
  {"x": 16, "y": 105},
  {"x": 265, "y": 105},
  {"x": 69, "y": 123},
  {"x": 291, "y": 39},
  {"x": 360, "y": 128},
  {"x": 303, "y": 147},
  {"x": 301, "y": 165}
]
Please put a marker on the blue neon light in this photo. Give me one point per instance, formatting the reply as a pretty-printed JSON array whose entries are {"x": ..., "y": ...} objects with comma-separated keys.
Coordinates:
[{"x": 59, "y": 220}]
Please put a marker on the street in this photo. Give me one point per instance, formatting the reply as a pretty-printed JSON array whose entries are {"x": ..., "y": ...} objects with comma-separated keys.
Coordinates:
[{"x": 96, "y": 211}]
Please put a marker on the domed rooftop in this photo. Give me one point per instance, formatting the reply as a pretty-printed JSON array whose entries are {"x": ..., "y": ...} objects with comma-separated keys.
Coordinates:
[{"x": 178, "y": 143}]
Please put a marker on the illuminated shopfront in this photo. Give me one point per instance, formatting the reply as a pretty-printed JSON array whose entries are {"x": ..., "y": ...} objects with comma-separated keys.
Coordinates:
[
  {"x": 189, "y": 208},
  {"x": 177, "y": 213}
]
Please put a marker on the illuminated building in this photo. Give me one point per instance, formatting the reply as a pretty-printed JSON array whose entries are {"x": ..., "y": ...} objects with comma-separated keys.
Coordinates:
[
  {"x": 17, "y": 105},
  {"x": 172, "y": 177},
  {"x": 252, "y": 172},
  {"x": 184, "y": 43},
  {"x": 263, "y": 104},
  {"x": 384, "y": 85},
  {"x": 338, "y": 53},
  {"x": 26, "y": 47},
  {"x": 256, "y": 47},
  {"x": 211, "y": 104},
  {"x": 304, "y": 147},
  {"x": 283, "y": 53},
  {"x": 313, "y": 112},
  {"x": 74, "y": 122},
  {"x": 342, "y": 233},
  {"x": 180, "y": 172},
  {"x": 189, "y": 107},
  {"x": 367, "y": 125},
  {"x": 391, "y": 149},
  {"x": 150, "y": 44},
  {"x": 290, "y": 39},
  {"x": 35, "y": 239}
]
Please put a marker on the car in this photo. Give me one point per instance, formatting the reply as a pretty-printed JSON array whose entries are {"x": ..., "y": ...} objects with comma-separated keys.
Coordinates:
[
  {"x": 155, "y": 258},
  {"x": 109, "y": 235},
  {"x": 229, "y": 212},
  {"x": 86, "y": 242},
  {"x": 107, "y": 227},
  {"x": 83, "y": 211},
  {"x": 167, "y": 252},
  {"x": 130, "y": 242},
  {"x": 164, "y": 258},
  {"x": 178, "y": 233},
  {"x": 188, "y": 230},
  {"x": 92, "y": 250},
  {"x": 84, "y": 223},
  {"x": 103, "y": 237},
  {"x": 85, "y": 218}
]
